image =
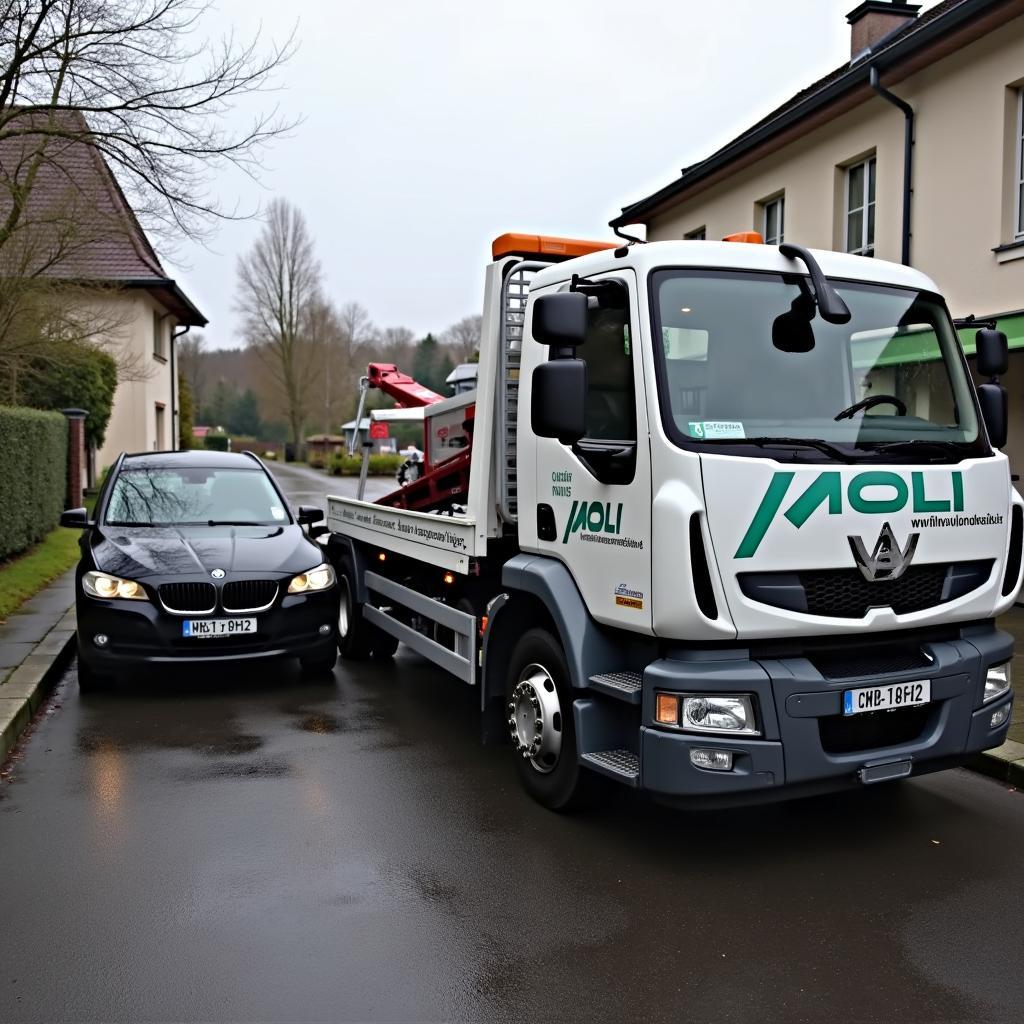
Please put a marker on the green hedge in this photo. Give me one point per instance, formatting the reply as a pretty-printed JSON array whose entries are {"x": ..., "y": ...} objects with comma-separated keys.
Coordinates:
[
  {"x": 33, "y": 469},
  {"x": 216, "y": 442},
  {"x": 349, "y": 465}
]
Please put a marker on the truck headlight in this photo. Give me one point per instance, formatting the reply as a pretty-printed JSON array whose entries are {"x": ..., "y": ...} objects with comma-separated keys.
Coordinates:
[
  {"x": 101, "y": 584},
  {"x": 997, "y": 681},
  {"x": 319, "y": 578},
  {"x": 712, "y": 712}
]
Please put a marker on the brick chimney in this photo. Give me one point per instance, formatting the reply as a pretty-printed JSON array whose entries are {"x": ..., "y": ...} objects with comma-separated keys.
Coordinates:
[{"x": 875, "y": 19}]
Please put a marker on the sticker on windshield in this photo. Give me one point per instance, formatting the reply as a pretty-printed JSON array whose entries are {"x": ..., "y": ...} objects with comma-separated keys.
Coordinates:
[
  {"x": 713, "y": 430},
  {"x": 277, "y": 512}
]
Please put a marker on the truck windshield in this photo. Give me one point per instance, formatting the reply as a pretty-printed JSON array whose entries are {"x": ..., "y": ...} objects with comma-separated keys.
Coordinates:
[{"x": 745, "y": 363}]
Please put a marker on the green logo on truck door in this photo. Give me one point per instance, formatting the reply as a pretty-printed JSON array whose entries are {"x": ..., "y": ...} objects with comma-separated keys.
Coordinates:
[
  {"x": 827, "y": 489},
  {"x": 593, "y": 517}
]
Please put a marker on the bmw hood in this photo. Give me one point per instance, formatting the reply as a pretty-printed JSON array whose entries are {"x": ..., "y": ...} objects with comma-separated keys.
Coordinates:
[
  {"x": 140, "y": 553},
  {"x": 804, "y": 549}
]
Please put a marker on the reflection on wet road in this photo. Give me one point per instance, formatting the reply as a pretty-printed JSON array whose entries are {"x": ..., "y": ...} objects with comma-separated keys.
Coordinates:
[{"x": 222, "y": 848}]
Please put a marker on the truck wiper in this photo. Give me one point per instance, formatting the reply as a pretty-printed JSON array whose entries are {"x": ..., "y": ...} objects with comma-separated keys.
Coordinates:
[
  {"x": 232, "y": 522},
  {"x": 945, "y": 449},
  {"x": 800, "y": 442}
]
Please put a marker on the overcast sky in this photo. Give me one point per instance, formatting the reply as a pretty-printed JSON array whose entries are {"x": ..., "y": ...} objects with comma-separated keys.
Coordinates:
[{"x": 432, "y": 126}]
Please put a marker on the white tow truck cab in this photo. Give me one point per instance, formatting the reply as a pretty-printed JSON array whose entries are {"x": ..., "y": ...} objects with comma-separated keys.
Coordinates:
[{"x": 735, "y": 524}]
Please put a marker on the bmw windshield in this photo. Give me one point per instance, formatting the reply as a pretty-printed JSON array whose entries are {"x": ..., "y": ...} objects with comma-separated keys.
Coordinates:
[
  {"x": 194, "y": 496},
  {"x": 746, "y": 366}
]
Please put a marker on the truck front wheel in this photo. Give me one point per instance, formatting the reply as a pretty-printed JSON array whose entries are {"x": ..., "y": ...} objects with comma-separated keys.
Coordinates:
[
  {"x": 538, "y": 705},
  {"x": 357, "y": 638}
]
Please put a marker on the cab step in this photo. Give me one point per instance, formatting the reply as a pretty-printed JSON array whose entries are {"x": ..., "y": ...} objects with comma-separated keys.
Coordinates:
[
  {"x": 627, "y": 686},
  {"x": 621, "y": 765}
]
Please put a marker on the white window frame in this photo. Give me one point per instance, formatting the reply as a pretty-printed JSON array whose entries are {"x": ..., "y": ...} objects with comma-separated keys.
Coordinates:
[
  {"x": 1018, "y": 162},
  {"x": 780, "y": 202},
  {"x": 864, "y": 248}
]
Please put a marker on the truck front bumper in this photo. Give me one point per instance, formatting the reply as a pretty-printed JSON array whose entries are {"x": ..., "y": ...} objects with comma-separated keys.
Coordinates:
[{"x": 806, "y": 743}]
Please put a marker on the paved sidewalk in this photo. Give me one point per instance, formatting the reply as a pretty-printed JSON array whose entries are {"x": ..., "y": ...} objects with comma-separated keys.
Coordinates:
[{"x": 35, "y": 644}]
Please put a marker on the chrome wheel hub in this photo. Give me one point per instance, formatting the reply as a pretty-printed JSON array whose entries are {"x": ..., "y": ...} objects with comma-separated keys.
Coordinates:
[{"x": 535, "y": 718}]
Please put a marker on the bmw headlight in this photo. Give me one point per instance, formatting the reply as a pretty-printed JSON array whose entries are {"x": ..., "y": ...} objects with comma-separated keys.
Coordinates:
[
  {"x": 102, "y": 584},
  {"x": 319, "y": 578},
  {"x": 997, "y": 681}
]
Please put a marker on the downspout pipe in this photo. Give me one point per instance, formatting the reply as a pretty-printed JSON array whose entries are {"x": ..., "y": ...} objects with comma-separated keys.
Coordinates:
[
  {"x": 175, "y": 430},
  {"x": 908, "y": 156}
]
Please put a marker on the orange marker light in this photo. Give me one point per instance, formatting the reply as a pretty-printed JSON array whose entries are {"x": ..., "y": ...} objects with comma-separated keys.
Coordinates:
[
  {"x": 666, "y": 709},
  {"x": 750, "y": 237},
  {"x": 545, "y": 245},
  {"x": 449, "y": 578},
  {"x": 483, "y": 624},
  {"x": 382, "y": 557}
]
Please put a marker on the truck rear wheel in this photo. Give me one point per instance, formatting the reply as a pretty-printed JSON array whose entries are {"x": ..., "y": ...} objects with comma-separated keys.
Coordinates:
[{"x": 538, "y": 702}]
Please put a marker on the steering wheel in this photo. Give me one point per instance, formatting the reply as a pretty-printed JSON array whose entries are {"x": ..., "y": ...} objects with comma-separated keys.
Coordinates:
[{"x": 870, "y": 402}]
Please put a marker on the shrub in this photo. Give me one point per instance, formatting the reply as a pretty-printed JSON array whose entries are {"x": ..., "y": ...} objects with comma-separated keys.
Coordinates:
[
  {"x": 350, "y": 465},
  {"x": 33, "y": 468},
  {"x": 214, "y": 442}
]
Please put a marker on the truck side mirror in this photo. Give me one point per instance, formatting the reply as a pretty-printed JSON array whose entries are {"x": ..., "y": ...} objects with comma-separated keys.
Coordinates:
[
  {"x": 992, "y": 398},
  {"x": 993, "y": 352},
  {"x": 560, "y": 320},
  {"x": 559, "y": 398}
]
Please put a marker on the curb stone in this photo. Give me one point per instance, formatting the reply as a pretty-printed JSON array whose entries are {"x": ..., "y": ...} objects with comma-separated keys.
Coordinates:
[
  {"x": 1005, "y": 763},
  {"x": 27, "y": 686}
]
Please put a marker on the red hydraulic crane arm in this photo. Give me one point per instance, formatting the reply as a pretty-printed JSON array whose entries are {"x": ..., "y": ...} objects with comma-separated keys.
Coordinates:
[{"x": 400, "y": 386}]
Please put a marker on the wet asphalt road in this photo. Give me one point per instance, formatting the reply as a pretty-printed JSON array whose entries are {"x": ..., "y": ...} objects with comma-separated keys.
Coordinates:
[{"x": 230, "y": 848}]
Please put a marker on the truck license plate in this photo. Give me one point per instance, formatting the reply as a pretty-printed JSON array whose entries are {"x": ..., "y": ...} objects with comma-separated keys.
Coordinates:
[
  {"x": 885, "y": 698},
  {"x": 199, "y": 629}
]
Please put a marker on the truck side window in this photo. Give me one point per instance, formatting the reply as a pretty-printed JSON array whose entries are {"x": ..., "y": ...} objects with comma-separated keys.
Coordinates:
[{"x": 611, "y": 401}]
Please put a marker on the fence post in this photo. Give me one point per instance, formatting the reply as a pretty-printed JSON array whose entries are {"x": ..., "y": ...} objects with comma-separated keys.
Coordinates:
[{"x": 76, "y": 454}]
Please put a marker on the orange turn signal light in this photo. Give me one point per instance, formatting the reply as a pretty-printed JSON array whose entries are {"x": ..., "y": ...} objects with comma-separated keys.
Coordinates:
[
  {"x": 750, "y": 237},
  {"x": 666, "y": 710}
]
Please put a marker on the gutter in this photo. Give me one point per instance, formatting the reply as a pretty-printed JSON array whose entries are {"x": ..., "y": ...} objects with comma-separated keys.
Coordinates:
[
  {"x": 175, "y": 335},
  {"x": 908, "y": 155},
  {"x": 888, "y": 56}
]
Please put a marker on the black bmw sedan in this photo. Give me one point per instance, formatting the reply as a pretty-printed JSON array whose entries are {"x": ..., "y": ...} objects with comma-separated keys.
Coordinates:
[{"x": 196, "y": 557}]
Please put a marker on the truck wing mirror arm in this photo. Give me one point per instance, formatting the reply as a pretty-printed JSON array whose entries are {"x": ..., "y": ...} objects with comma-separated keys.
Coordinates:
[{"x": 830, "y": 304}]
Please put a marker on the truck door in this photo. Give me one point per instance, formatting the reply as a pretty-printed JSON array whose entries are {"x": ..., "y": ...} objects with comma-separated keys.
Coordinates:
[{"x": 598, "y": 519}]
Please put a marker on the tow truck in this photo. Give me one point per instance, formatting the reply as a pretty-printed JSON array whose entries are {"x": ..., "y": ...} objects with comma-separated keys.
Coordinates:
[{"x": 722, "y": 521}]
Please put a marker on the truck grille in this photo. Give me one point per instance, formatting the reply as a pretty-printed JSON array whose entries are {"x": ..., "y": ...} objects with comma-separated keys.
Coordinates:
[
  {"x": 248, "y": 595},
  {"x": 846, "y": 594},
  {"x": 188, "y": 597}
]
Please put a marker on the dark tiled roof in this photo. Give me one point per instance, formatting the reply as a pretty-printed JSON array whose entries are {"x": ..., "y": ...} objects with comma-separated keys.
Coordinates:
[
  {"x": 921, "y": 30},
  {"x": 77, "y": 223}
]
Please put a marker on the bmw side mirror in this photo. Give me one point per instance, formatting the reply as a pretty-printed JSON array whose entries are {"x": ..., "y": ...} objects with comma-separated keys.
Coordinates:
[
  {"x": 992, "y": 398},
  {"x": 75, "y": 518},
  {"x": 558, "y": 399},
  {"x": 993, "y": 352},
  {"x": 310, "y": 514}
]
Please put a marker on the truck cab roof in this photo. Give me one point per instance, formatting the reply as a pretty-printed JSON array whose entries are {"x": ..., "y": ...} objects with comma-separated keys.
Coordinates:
[{"x": 734, "y": 256}]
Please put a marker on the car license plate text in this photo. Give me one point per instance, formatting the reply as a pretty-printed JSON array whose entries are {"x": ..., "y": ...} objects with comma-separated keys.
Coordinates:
[
  {"x": 885, "y": 698},
  {"x": 201, "y": 628}
]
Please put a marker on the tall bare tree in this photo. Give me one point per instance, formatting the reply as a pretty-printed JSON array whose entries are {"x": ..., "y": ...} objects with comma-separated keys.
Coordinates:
[
  {"x": 278, "y": 290},
  {"x": 464, "y": 338},
  {"x": 138, "y": 82}
]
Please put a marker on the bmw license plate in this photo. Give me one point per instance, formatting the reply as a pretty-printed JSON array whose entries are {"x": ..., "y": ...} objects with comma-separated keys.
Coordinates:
[
  {"x": 886, "y": 698},
  {"x": 201, "y": 628}
]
